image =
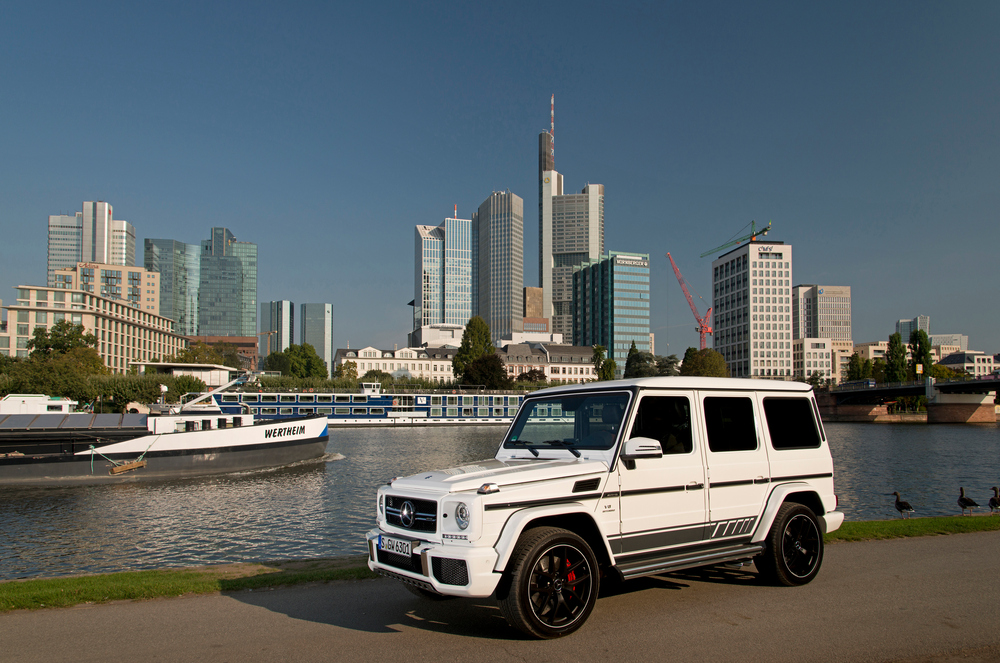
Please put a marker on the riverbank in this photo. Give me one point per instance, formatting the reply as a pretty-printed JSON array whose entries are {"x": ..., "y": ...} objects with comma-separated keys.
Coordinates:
[{"x": 136, "y": 585}]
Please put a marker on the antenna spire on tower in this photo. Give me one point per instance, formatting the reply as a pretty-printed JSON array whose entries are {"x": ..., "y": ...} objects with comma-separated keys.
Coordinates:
[{"x": 552, "y": 126}]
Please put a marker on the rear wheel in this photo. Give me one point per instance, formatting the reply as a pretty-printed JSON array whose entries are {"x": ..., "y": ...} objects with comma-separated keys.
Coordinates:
[
  {"x": 551, "y": 585},
  {"x": 794, "y": 550}
]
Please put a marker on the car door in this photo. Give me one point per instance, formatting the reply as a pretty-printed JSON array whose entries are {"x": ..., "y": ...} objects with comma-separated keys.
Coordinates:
[
  {"x": 738, "y": 470},
  {"x": 662, "y": 500}
]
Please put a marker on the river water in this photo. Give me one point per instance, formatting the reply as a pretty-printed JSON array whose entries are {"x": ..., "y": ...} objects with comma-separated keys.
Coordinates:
[{"x": 323, "y": 508}]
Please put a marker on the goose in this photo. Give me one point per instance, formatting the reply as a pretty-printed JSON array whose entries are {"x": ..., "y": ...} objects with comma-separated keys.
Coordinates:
[
  {"x": 903, "y": 507},
  {"x": 966, "y": 502},
  {"x": 995, "y": 501}
]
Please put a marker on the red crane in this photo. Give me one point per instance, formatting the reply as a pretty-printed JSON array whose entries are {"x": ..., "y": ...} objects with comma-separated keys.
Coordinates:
[{"x": 704, "y": 322}]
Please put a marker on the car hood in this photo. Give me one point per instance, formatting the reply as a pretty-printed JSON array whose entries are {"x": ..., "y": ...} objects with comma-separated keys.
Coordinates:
[{"x": 500, "y": 472}]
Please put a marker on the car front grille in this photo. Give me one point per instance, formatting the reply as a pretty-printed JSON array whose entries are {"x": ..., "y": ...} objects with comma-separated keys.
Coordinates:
[
  {"x": 411, "y": 563},
  {"x": 423, "y": 513},
  {"x": 450, "y": 571}
]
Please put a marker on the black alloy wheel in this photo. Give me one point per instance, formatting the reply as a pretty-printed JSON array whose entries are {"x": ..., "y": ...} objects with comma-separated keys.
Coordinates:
[{"x": 794, "y": 547}]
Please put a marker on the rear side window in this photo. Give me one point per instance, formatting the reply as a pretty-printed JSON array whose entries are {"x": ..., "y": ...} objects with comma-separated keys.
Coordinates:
[
  {"x": 790, "y": 423},
  {"x": 667, "y": 419},
  {"x": 730, "y": 425}
]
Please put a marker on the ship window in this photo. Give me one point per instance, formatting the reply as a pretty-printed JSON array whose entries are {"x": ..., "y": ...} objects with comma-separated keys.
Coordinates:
[
  {"x": 250, "y": 398},
  {"x": 361, "y": 399},
  {"x": 230, "y": 398},
  {"x": 307, "y": 398},
  {"x": 307, "y": 410},
  {"x": 342, "y": 399},
  {"x": 341, "y": 410},
  {"x": 324, "y": 398},
  {"x": 484, "y": 412},
  {"x": 286, "y": 410},
  {"x": 453, "y": 412},
  {"x": 359, "y": 410},
  {"x": 324, "y": 410},
  {"x": 498, "y": 412},
  {"x": 435, "y": 400},
  {"x": 377, "y": 410},
  {"x": 288, "y": 398},
  {"x": 268, "y": 398},
  {"x": 269, "y": 410},
  {"x": 436, "y": 411}
]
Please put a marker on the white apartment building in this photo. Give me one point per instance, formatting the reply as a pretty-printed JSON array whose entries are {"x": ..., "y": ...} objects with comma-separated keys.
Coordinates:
[
  {"x": 752, "y": 309},
  {"x": 125, "y": 334},
  {"x": 815, "y": 356}
]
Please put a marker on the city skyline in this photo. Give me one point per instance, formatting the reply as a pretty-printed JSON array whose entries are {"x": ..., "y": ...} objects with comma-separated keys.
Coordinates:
[{"x": 867, "y": 134}]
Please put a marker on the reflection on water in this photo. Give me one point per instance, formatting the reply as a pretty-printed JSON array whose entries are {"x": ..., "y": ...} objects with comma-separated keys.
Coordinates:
[{"x": 323, "y": 508}]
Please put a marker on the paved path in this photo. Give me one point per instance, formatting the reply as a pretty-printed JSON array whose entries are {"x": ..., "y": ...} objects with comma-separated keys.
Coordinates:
[{"x": 927, "y": 599}]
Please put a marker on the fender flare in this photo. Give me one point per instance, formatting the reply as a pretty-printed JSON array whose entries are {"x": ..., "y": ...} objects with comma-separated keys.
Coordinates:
[
  {"x": 774, "y": 502},
  {"x": 519, "y": 521}
]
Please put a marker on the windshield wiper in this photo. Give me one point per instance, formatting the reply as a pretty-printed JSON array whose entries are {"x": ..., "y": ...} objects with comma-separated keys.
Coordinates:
[
  {"x": 565, "y": 443},
  {"x": 526, "y": 445}
]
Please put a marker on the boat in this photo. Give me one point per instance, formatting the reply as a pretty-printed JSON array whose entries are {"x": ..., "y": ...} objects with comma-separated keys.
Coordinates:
[
  {"x": 43, "y": 445},
  {"x": 372, "y": 406}
]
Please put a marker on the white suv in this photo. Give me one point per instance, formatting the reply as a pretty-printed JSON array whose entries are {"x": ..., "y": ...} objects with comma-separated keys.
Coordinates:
[{"x": 617, "y": 479}]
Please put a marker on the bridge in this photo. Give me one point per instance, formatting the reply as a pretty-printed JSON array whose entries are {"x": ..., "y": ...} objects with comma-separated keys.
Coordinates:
[{"x": 948, "y": 401}]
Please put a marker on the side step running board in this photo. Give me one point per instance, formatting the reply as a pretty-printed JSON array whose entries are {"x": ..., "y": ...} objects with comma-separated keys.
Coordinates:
[{"x": 687, "y": 561}]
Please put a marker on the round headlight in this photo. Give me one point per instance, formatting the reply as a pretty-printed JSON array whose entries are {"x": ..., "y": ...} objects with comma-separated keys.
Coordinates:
[
  {"x": 462, "y": 515},
  {"x": 381, "y": 504}
]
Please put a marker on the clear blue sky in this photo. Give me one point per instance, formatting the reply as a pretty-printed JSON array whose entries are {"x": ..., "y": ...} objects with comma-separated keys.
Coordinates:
[{"x": 869, "y": 133}]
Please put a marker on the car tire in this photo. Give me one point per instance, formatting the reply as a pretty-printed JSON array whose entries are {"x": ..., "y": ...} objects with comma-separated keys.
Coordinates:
[
  {"x": 551, "y": 584},
  {"x": 794, "y": 547}
]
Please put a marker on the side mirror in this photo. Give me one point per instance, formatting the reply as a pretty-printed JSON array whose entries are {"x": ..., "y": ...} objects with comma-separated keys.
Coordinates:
[{"x": 641, "y": 447}]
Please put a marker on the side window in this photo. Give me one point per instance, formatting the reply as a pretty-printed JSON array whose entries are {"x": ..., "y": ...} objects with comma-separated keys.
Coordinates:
[
  {"x": 730, "y": 425},
  {"x": 667, "y": 419},
  {"x": 790, "y": 423}
]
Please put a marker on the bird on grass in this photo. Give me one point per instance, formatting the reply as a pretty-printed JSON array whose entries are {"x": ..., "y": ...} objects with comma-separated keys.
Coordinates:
[
  {"x": 966, "y": 502},
  {"x": 995, "y": 501},
  {"x": 903, "y": 507}
]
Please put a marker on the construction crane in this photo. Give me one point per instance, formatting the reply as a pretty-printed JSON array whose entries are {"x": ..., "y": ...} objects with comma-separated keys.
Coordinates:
[
  {"x": 752, "y": 236},
  {"x": 704, "y": 322}
]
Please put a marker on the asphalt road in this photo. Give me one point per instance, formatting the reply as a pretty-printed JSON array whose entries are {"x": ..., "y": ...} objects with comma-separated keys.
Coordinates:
[{"x": 926, "y": 599}]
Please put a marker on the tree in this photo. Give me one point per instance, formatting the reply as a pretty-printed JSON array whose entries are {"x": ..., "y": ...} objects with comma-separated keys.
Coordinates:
[
  {"x": 941, "y": 372},
  {"x": 488, "y": 370},
  {"x": 475, "y": 344},
  {"x": 304, "y": 362},
  {"x": 534, "y": 375},
  {"x": 278, "y": 362},
  {"x": 61, "y": 338},
  {"x": 866, "y": 368},
  {"x": 855, "y": 367},
  {"x": 640, "y": 365},
  {"x": 895, "y": 360},
  {"x": 878, "y": 370},
  {"x": 376, "y": 375},
  {"x": 707, "y": 362},
  {"x": 346, "y": 371},
  {"x": 920, "y": 354},
  {"x": 667, "y": 365},
  {"x": 607, "y": 370}
]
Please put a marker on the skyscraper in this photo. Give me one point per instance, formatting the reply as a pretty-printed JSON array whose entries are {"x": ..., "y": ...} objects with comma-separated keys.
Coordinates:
[
  {"x": 227, "y": 294},
  {"x": 611, "y": 304},
  {"x": 179, "y": 267},
  {"x": 822, "y": 312},
  {"x": 208, "y": 289},
  {"x": 570, "y": 233},
  {"x": 752, "y": 309},
  {"x": 443, "y": 274},
  {"x": 278, "y": 318},
  {"x": 93, "y": 235},
  {"x": 906, "y": 327},
  {"x": 316, "y": 323},
  {"x": 498, "y": 263}
]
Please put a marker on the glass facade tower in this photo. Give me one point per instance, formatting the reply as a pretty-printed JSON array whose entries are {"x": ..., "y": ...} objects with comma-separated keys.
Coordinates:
[
  {"x": 611, "y": 304},
  {"x": 179, "y": 267},
  {"x": 316, "y": 323},
  {"x": 443, "y": 279}
]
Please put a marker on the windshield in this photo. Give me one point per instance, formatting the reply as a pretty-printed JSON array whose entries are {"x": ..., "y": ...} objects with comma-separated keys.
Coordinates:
[{"x": 579, "y": 421}]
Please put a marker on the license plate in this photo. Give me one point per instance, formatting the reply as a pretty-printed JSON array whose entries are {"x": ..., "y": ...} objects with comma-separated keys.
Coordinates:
[{"x": 394, "y": 545}]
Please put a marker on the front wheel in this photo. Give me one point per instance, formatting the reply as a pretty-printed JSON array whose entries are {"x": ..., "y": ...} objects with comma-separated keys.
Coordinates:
[
  {"x": 794, "y": 547},
  {"x": 551, "y": 585}
]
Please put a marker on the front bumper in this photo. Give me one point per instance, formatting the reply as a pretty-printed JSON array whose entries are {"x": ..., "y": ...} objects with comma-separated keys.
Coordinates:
[{"x": 446, "y": 569}]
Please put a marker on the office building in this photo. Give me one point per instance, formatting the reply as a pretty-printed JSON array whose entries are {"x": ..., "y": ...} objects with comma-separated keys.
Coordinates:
[
  {"x": 179, "y": 267},
  {"x": 823, "y": 312},
  {"x": 443, "y": 274},
  {"x": 125, "y": 334},
  {"x": 498, "y": 263},
  {"x": 960, "y": 340},
  {"x": 91, "y": 235},
  {"x": 277, "y": 326},
  {"x": 211, "y": 288},
  {"x": 610, "y": 300},
  {"x": 570, "y": 234},
  {"x": 134, "y": 286},
  {"x": 906, "y": 327},
  {"x": 752, "y": 309},
  {"x": 316, "y": 323},
  {"x": 227, "y": 293}
]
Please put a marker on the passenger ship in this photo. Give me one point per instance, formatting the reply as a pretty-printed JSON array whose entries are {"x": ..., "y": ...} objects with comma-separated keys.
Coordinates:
[{"x": 373, "y": 407}]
